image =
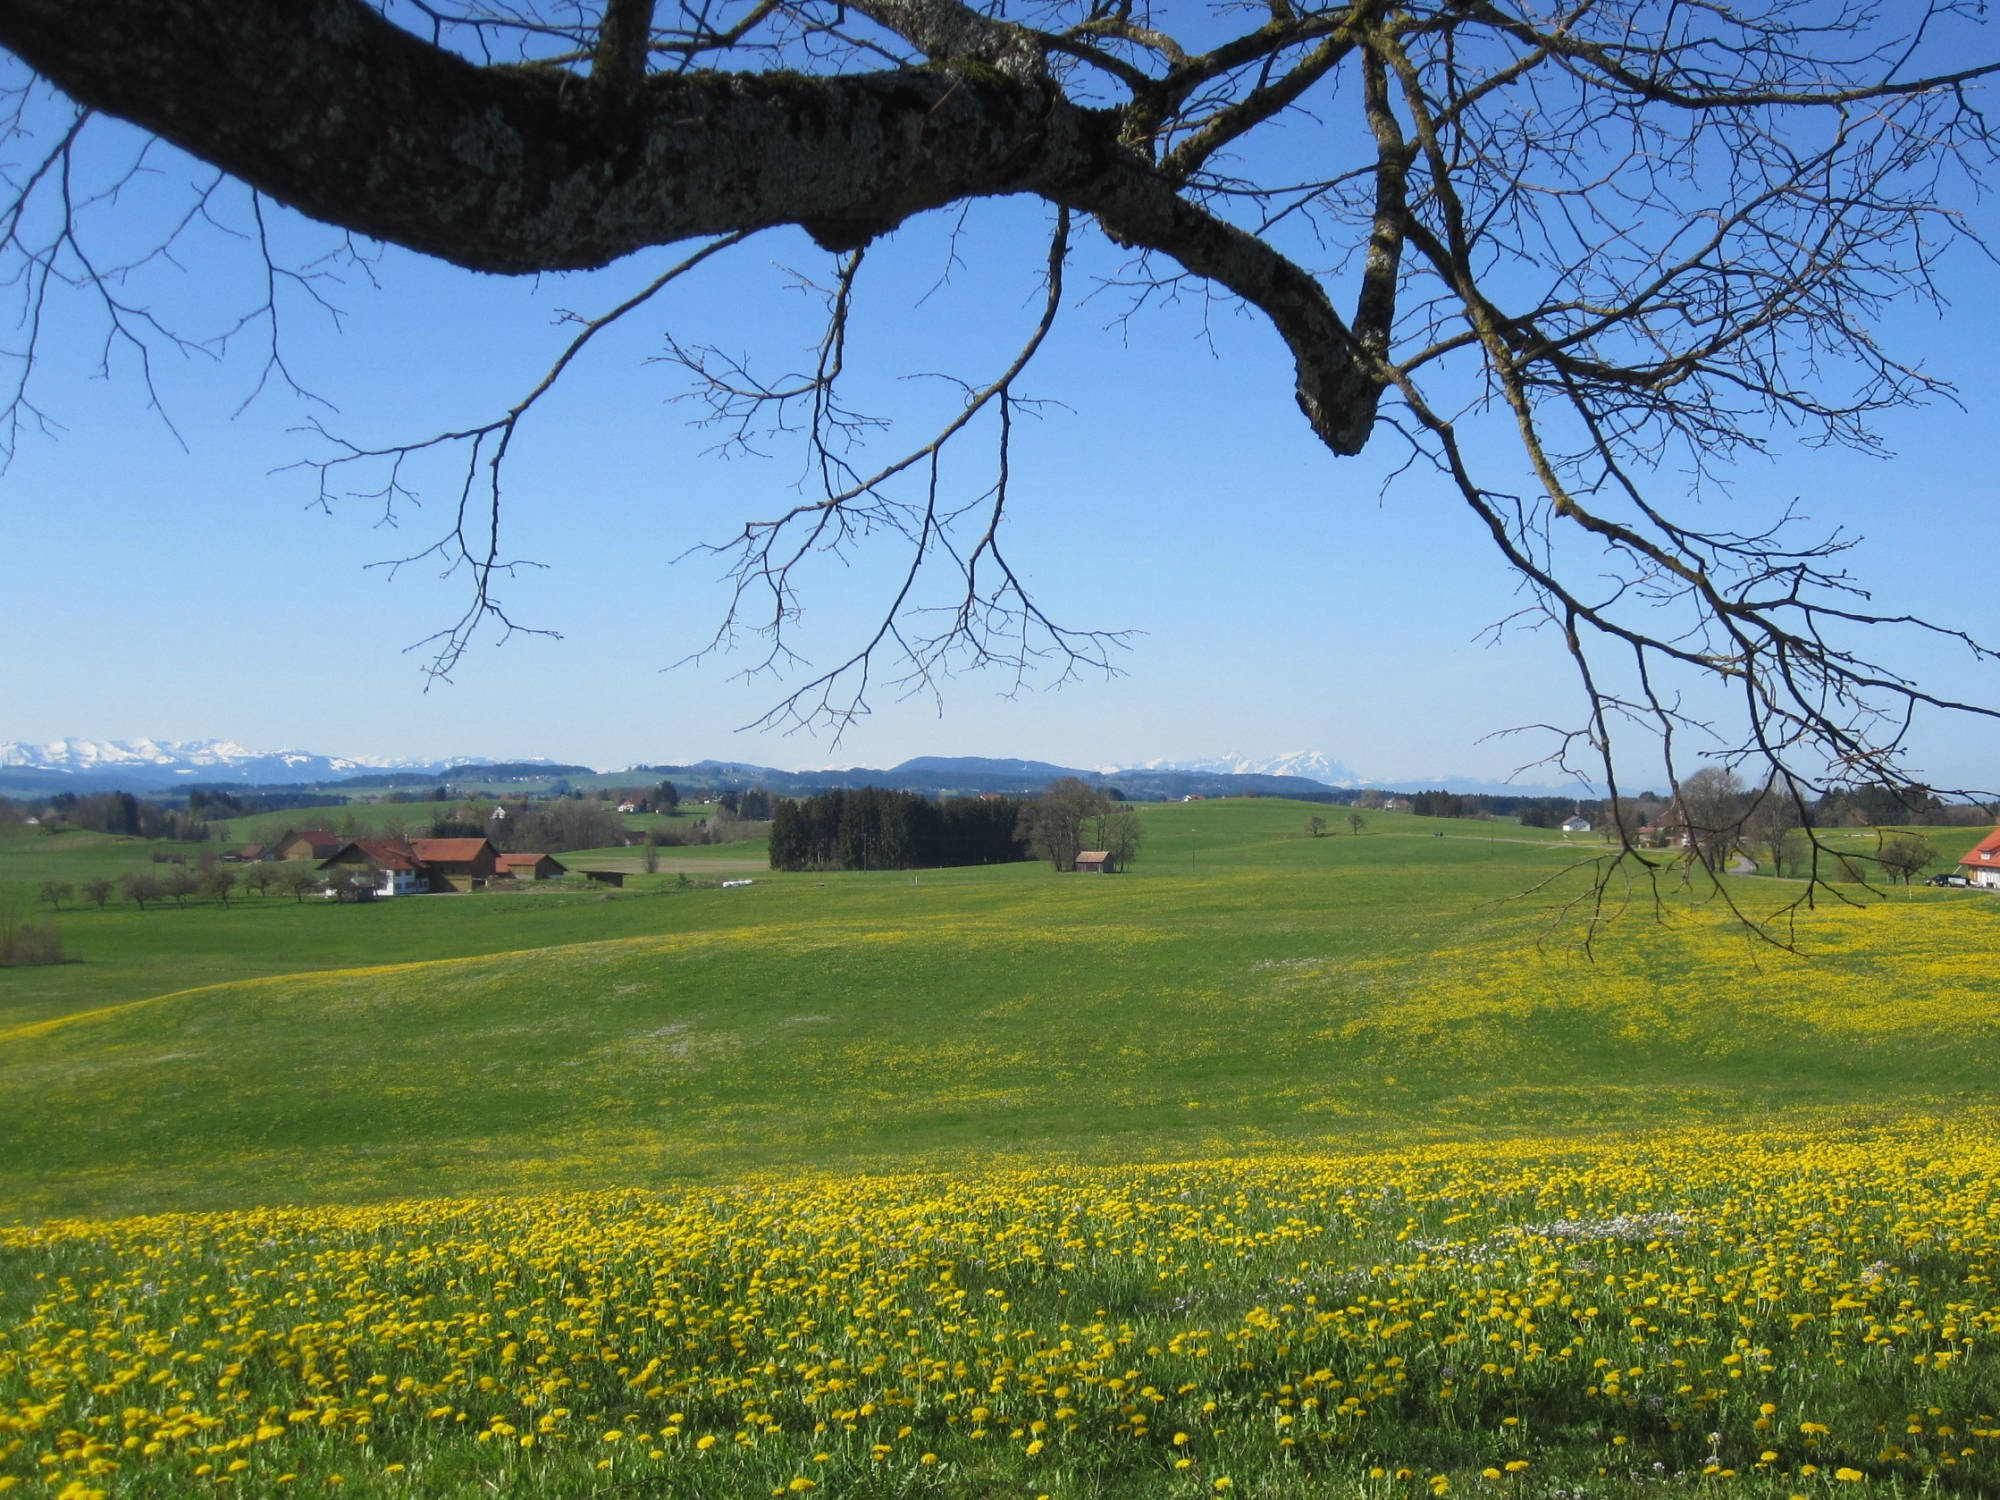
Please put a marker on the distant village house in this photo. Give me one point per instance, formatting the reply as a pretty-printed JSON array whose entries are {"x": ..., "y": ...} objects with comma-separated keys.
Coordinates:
[{"x": 1982, "y": 864}]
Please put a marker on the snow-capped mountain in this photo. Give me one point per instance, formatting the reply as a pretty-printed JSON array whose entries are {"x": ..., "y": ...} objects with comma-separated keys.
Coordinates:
[
  {"x": 146, "y": 763},
  {"x": 1311, "y": 764},
  {"x": 97, "y": 755}
]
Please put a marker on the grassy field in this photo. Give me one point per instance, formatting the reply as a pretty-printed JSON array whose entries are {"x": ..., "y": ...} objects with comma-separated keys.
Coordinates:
[{"x": 1280, "y": 1166}]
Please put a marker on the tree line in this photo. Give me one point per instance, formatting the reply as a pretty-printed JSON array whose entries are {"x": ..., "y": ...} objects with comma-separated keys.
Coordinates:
[
  {"x": 873, "y": 828},
  {"x": 121, "y": 812}
]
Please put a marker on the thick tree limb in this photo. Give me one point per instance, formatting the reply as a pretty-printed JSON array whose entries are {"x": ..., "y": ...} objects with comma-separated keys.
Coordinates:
[{"x": 328, "y": 107}]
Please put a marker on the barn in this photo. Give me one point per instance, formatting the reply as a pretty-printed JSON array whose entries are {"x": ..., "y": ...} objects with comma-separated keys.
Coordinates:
[{"x": 531, "y": 867}]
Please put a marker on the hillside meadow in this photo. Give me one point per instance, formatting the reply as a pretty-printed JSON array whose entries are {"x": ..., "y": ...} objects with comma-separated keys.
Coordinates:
[{"x": 1279, "y": 1166}]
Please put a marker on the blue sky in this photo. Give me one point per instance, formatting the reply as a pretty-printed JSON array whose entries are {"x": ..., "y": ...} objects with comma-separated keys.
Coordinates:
[{"x": 1279, "y": 598}]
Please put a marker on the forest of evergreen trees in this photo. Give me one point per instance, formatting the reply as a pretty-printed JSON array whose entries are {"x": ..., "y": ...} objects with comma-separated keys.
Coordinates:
[{"x": 870, "y": 828}]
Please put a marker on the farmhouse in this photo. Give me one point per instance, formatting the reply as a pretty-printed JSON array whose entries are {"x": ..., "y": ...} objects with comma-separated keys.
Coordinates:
[
  {"x": 400, "y": 872},
  {"x": 457, "y": 864},
  {"x": 530, "y": 867},
  {"x": 410, "y": 867},
  {"x": 1982, "y": 864},
  {"x": 1577, "y": 824}
]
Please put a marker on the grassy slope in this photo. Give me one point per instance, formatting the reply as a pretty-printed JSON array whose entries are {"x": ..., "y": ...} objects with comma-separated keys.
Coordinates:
[{"x": 1246, "y": 986}]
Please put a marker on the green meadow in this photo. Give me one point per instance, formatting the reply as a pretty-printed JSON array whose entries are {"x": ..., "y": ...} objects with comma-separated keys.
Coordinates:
[
  {"x": 1279, "y": 1166},
  {"x": 1245, "y": 986}
]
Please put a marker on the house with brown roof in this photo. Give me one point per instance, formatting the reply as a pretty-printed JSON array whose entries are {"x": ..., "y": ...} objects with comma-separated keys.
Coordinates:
[
  {"x": 1981, "y": 865},
  {"x": 310, "y": 843},
  {"x": 1094, "y": 862},
  {"x": 530, "y": 867},
  {"x": 457, "y": 864}
]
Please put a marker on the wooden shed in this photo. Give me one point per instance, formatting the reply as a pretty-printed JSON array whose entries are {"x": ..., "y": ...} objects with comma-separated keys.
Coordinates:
[
  {"x": 1094, "y": 862},
  {"x": 531, "y": 867}
]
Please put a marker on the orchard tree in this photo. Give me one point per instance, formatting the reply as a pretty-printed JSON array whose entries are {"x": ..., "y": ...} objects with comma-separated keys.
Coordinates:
[
  {"x": 302, "y": 883},
  {"x": 97, "y": 890},
  {"x": 180, "y": 883},
  {"x": 1904, "y": 855},
  {"x": 139, "y": 889},
  {"x": 55, "y": 892},
  {"x": 1570, "y": 258}
]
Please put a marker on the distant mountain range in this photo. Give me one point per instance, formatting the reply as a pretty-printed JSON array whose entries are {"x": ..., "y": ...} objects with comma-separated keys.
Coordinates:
[
  {"x": 155, "y": 766},
  {"x": 1309, "y": 764},
  {"x": 152, "y": 765}
]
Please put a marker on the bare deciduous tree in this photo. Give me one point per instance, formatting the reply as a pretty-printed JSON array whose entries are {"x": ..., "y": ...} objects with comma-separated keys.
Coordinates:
[
  {"x": 1115, "y": 828},
  {"x": 1904, "y": 855},
  {"x": 302, "y": 883},
  {"x": 139, "y": 889},
  {"x": 1639, "y": 238},
  {"x": 1052, "y": 824},
  {"x": 1773, "y": 819},
  {"x": 1712, "y": 809},
  {"x": 180, "y": 883}
]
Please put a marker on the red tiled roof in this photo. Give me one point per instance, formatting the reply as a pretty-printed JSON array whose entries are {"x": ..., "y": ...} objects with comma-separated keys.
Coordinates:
[
  {"x": 510, "y": 860},
  {"x": 447, "y": 851},
  {"x": 1985, "y": 852}
]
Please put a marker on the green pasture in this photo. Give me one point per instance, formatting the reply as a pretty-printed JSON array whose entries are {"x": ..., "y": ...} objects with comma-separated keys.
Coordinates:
[{"x": 1246, "y": 986}]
